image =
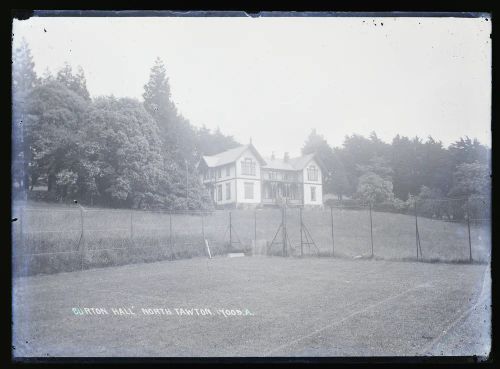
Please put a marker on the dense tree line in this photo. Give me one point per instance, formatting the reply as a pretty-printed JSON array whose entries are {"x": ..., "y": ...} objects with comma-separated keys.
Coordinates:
[
  {"x": 107, "y": 151},
  {"x": 370, "y": 170}
]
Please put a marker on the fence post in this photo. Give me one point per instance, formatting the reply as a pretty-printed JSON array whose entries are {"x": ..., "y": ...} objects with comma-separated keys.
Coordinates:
[
  {"x": 203, "y": 227},
  {"x": 468, "y": 229},
  {"x": 283, "y": 221},
  {"x": 301, "y": 241},
  {"x": 416, "y": 226},
  {"x": 230, "y": 232},
  {"x": 255, "y": 227},
  {"x": 131, "y": 227},
  {"x": 371, "y": 227},
  {"x": 170, "y": 235},
  {"x": 82, "y": 239},
  {"x": 333, "y": 239}
]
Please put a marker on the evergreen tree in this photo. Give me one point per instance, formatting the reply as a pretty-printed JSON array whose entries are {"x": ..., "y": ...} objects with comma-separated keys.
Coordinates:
[
  {"x": 75, "y": 82},
  {"x": 209, "y": 143},
  {"x": 24, "y": 80},
  {"x": 24, "y": 77},
  {"x": 179, "y": 141},
  {"x": 334, "y": 176}
]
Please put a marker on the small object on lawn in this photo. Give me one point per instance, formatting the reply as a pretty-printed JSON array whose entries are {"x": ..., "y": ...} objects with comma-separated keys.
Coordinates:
[
  {"x": 235, "y": 254},
  {"x": 208, "y": 249},
  {"x": 358, "y": 257}
]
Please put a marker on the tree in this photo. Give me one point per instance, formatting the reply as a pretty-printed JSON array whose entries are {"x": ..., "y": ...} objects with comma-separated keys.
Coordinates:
[
  {"x": 24, "y": 80},
  {"x": 181, "y": 143},
  {"x": 374, "y": 189},
  {"x": 358, "y": 150},
  {"x": 431, "y": 203},
  {"x": 334, "y": 176},
  {"x": 378, "y": 165},
  {"x": 339, "y": 182},
  {"x": 466, "y": 150},
  {"x": 122, "y": 142},
  {"x": 471, "y": 179},
  {"x": 211, "y": 143},
  {"x": 24, "y": 77},
  {"x": 406, "y": 162},
  {"x": 176, "y": 133},
  {"x": 76, "y": 83},
  {"x": 52, "y": 129},
  {"x": 436, "y": 166}
]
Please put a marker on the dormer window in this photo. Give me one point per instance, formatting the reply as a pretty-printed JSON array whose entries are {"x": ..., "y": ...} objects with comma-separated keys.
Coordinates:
[
  {"x": 248, "y": 167},
  {"x": 312, "y": 173}
]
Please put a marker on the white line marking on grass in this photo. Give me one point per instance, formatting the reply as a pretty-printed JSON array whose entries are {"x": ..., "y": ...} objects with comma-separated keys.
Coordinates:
[
  {"x": 345, "y": 318},
  {"x": 435, "y": 341},
  {"x": 482, "y": 298}
]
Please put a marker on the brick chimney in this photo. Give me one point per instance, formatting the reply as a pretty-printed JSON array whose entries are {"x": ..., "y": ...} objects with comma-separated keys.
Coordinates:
[
  {"x": 272, "y": 156},
  {"x": 286, "y": 157}
]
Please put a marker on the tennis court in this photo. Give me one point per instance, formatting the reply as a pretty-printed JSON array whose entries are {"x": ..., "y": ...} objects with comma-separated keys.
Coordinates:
[{"x": 255, "y": 306}]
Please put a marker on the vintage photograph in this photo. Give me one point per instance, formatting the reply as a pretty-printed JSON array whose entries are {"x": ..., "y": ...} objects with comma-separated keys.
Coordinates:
[{"x": 226, "y": 185}]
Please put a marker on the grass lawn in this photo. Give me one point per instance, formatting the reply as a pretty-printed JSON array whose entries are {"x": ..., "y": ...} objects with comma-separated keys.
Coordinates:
[{"x": 296, "y": 307}]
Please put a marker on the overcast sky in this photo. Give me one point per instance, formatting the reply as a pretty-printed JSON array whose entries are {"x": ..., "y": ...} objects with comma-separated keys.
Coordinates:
[{"x": 273, "y": 79}]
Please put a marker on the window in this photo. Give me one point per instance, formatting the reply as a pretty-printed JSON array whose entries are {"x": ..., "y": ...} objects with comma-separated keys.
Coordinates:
[
  {"x": 286, "y": 190},
  {"x": 228, "y": 191},
  {"x": 228, "y": 171},
  {"x": 219, "y": 174},
  {"x": 312, "y": 173},
  {"x": 219, "y": 192},
  {"x": 248, "y": 167},
  {"x": 249, "y": 190},
  {"x": 313, "y": 193}
]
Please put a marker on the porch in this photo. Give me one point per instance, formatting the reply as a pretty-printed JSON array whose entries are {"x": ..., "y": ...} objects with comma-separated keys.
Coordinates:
[{"x": 279, "y": 192}]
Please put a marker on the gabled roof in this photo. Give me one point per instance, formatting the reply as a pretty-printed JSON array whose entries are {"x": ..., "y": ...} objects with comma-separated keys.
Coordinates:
[
  {"x": 301, "y": 162},
  {"x": 278, "y": 164},
  {"x": 230, "y": 156},
  {"x": 298, "y": 163}
]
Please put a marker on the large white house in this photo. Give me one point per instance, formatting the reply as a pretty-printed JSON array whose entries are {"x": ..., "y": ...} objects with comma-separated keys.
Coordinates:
[{"x": 241, "y": 177}]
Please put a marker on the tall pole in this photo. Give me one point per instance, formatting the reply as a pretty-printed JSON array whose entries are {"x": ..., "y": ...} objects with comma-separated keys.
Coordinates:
[
  {"x": 468, "y": 229},
  {"x": 170, "y": 235},
  {"x": 255, "y": 227},
  {"x": 371, "y": 227},
  {"x": 131, "y": 229},
  {"x": 333, "y": 239},
  {"x": 230, "y": 232},
  {"x": 416, "y": 226},
  {"x": 203, "y": 227},
  {"x": 82, "y": 247},
  {"x": 187, "y": 185},
  {"x": 283, "y": 229},
  {"x": 131, "y": 226},
  {"x": 301, "y": 241}
]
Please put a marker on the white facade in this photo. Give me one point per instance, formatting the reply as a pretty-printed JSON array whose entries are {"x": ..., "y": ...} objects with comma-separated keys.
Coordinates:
[
  {"x": 247, "y": 180},
  {"x": 236, "y": 178},
  {"x": 313, "y": 186}
]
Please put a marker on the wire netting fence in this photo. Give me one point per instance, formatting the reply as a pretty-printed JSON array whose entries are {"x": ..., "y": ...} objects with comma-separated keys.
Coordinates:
[{"x": 48, "y": 240}]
